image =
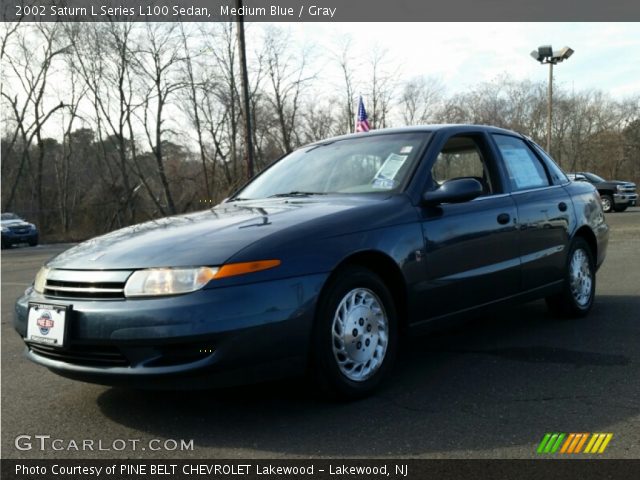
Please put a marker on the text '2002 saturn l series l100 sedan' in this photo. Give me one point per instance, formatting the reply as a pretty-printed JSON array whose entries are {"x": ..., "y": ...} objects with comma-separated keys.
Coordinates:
[{"x": 321, "y": 263}]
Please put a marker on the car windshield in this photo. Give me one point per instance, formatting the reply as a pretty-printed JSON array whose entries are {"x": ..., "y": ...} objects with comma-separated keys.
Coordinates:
[
  {"x": 367, "y": 164},
  {"x": 593, "y": 177},
  {"x": 9, "y": 216}
]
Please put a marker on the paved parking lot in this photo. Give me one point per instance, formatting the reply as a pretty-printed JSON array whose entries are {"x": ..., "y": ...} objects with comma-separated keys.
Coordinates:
[{"x": 488, "y": 389}]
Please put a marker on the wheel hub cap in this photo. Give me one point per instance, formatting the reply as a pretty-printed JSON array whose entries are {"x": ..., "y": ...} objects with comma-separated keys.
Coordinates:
[
  {"x": 580, "y": 277},
  {"x": 360, "y": 334}
]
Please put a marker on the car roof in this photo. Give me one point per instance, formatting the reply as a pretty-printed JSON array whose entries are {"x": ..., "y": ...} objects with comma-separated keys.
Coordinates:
[{"x": 452, "y": 127}]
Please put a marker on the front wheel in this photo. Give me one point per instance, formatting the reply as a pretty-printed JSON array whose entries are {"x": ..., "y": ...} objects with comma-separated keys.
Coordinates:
[
  {"x": 355, "y": 334},
  {"x": 607, "y": 203},
  {"x": 579, "y": 287}
]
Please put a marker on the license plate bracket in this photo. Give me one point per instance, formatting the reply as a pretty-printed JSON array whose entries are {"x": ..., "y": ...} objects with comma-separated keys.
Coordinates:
[{"x": 47, "y": 324}]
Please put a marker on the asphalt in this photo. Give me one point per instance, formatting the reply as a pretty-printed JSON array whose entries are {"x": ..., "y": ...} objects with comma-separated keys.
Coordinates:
[{"x": 489, "y": 388}]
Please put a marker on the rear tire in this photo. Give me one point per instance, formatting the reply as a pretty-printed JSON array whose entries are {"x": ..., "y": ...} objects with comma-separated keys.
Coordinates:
[
  {"x": 579, "y": 286},
  {"x": 607, "y": 203},
  {"x": 355, "y": 334}
]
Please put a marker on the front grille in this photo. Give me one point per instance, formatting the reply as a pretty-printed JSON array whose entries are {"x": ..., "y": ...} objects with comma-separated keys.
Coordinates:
[
  {"x": 91, "y": 355},
  {"x": 100, "y": 284},
  {"x": 20, "y": 229},
  {"x": 54, "y": 288}
]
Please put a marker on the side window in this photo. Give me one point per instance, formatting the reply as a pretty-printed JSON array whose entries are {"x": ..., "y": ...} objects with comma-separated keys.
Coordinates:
[
  {"x": 557, "y": 175},
  {"x": 461, "y": 157},
  {"x": 523, "y": 167}
]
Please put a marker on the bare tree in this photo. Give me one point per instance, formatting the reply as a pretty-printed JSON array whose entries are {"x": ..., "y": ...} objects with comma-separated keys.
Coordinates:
[
  {"x": 31, "y": 62},
  {"x": 420, "y": 100},
  {"x": 287, "y": 74}
]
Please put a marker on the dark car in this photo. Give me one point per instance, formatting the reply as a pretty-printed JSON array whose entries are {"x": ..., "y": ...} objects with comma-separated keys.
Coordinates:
[
  {"x": 320, "y": 263},
  {"x": 616, "y": 195},
  {"x": 15, "y": 230}
]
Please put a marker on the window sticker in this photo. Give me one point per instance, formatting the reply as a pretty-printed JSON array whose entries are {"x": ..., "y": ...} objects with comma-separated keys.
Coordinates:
[
  {"x": 390, "y": 167},
  {"x": 383, "y": 183},
  {"x": 522, "y": 169},
  {"x": 406, "y": 149}
]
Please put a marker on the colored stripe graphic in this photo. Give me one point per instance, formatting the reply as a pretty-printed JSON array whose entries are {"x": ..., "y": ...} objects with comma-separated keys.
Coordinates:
[
  {"x": 572, "y": 443},
  {"x": 605, "y": 442},
  {"x": 543, "y": 443},
  {"x": 599, "y": 443},
  {"x": 567, "y": 442},
  {"x": 551, "y": 442}
]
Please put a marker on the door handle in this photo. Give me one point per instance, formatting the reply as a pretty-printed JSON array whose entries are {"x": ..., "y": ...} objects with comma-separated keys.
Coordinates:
[
  {"x": 503, "y": 218},
  {"x": 562, "y": 206}
]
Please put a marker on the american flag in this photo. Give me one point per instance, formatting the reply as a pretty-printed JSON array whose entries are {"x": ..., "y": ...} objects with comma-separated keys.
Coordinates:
[{"x": 362, "y": 124}]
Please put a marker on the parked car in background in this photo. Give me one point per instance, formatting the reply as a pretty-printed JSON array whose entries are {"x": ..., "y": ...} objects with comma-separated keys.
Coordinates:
[
  {"x": 320, "y": 263},
  {"x": 15, "y": 230},
  {"x": 616, "y": 195}
]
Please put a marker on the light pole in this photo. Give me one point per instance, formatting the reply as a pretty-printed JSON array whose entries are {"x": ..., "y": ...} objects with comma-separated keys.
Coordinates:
[{"x": 545, "y": 54}]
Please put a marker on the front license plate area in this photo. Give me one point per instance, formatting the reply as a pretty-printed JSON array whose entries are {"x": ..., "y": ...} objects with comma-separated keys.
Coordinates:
[{"x": 47, "y": 324}]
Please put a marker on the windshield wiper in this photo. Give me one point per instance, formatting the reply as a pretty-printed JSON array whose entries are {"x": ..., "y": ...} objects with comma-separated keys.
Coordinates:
[{"x": 296, "y": 193}]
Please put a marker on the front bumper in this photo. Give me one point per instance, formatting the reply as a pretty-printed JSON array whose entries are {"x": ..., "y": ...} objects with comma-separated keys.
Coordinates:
[
  {"x": 213, "y": 337},
  {"x": 11, "y": 238},
  {"x": 629, "y": 199}
]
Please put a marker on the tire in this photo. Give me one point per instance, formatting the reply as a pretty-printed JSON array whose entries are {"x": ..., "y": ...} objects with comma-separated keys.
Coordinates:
[
  {"x": 620, "y": 209},
  {"x": 33, "y": 243},
  {"x": 579, "y": 286},
  {"x": 355, "y": 334},
  {"x": 607, "y": 203}
]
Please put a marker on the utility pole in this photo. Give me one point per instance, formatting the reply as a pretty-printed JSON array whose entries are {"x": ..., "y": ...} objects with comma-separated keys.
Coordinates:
[
  {"x": 248, "y": 131},
  {"x": 550, "y": 107}
]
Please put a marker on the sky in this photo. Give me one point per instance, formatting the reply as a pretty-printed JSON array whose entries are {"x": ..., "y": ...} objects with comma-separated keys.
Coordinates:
[{"x": 607, "y": 55}]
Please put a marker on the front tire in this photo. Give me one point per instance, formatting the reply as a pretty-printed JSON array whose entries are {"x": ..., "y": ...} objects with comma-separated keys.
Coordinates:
[
  {"x": 607, "y": 203},
  {"x": 355, "y": 334},
  {"x": 579, "y": 286}
]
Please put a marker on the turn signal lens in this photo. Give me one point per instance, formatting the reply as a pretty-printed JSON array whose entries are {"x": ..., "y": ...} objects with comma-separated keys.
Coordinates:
[{"x": 233, "y": 269}]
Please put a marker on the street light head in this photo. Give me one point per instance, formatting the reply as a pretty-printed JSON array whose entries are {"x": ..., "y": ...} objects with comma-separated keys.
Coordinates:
[
  {"x": 563, "y": 53},
  {"x": 545, "y": 51},
  {"x": 536, "y": 56}
]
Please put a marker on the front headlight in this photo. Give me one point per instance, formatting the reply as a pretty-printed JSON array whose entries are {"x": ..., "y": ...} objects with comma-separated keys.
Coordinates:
[
  {"x": 172, "y": 281},
  {"x": 5, "y": 230},
  {"x": 41, "y": 279},
  {"x": 167, "y": 281},
  {"x": 620, "y": 187}
]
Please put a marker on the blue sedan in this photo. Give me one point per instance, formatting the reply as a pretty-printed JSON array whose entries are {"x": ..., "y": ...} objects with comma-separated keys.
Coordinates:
[{"x": 320, "y": 263}]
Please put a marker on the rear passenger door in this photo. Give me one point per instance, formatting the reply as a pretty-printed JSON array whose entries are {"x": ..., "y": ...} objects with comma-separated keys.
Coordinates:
[{"x": 544, "y": 210}]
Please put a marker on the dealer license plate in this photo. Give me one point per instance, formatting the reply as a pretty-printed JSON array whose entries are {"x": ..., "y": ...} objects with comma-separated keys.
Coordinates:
[{"x": 47, "y": 324}]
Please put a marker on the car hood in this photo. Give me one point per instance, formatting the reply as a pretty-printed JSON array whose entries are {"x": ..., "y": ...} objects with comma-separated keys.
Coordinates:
[
  {"x": 620, "y": 182},
  {"x": 203, "y": 238},
  {"x": 14, "y": 223}
]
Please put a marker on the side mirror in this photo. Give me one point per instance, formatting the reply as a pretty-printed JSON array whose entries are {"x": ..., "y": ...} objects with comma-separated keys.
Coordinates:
[{"x": 456, "y": 190}]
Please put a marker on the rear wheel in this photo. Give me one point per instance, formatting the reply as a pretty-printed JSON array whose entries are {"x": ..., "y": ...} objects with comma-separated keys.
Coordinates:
[
  {"x": 579, "y": 287},
  {"x": 355, "y": 334},
  {"x": 607, "y": 203}
]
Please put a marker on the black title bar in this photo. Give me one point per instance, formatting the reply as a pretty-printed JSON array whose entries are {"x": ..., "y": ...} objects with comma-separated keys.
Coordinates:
[{"x": 321, "y": 10}]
